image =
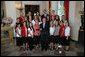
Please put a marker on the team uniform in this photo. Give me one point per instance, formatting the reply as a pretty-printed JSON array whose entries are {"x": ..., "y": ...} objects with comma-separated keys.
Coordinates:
[
  {"x": 56, "y": 34},
  {"x": 37, "y": 34},
  {"x": 18, "y": 38},
  {"x": 30, "y": 41},
  {"x": 51, "y": 34},
  {"x": 24, "y": 33},
  {"x": 67, "y": 33},
  {"x": 62, "y": 38}
]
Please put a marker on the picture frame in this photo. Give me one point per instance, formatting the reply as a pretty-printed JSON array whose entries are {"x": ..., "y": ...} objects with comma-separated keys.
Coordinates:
[{"x": 7, "y": 32}]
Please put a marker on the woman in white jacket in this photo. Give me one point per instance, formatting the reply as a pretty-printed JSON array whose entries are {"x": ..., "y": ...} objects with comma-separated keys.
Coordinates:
[
  {"x": 52, "y": 28},
  {"x": 67, "y": 35},
  {"x": 18, "y": 37}
]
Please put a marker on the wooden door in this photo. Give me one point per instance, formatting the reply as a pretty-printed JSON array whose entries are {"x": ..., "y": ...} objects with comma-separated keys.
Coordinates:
[{"x": 32, "y": 8}]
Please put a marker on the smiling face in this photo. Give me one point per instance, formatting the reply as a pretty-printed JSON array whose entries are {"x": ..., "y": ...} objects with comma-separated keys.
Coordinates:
[
  {"x": 66, "y": 23},
  {"x": 61, "y": 23},
  {"x": 44, "y": 11},
  {"x": 30, "y": 24},
  {"x": 57, "y": 17},
  {"x": 37, "y": 13},
  {"x": 53, "y": 12},
  {"x": 25, "y": 18},
  {"x": 51, "y": 23},
  {"x": 18, "y": 20},
  {"x": 63, "y": 17},
  {"x": 21, "y": 14},
  {"x": 47, "y": 17},
  {"x": 29, "y": 13},
  {"x": 24, "y": 24},
  {"x": 18, "y": 25},
  {"x": 44, "y": 20}
]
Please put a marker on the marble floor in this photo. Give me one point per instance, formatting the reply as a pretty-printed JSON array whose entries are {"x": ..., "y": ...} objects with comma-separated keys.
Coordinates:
[{"x": 9, "y": 48}]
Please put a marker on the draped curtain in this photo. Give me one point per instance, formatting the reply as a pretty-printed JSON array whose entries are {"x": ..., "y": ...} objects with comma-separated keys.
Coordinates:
[
  {"x": 66, "y": 9},
  {"x": 50, "y": 8}
]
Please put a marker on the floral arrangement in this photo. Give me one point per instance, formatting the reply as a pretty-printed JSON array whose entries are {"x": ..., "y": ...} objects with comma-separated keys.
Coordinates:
[{"x": 7, "y": 21}]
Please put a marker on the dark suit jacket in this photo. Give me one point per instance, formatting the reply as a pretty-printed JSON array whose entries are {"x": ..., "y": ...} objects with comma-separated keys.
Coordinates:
[
  {"x": 46, "y": 27},
  {"x": 44, "y": 33},
  {"x": 44, "y": 16}
]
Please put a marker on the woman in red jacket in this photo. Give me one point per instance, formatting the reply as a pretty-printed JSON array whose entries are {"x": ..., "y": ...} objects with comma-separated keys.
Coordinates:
[
  {"x": 37, "y": 33},
  {"x": 62, "y": 34},
  {"x": 24, "y": 33}
]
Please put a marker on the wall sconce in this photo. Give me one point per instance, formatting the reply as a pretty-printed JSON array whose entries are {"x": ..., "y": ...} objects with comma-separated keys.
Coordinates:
[{"x": 19, "y": 6}]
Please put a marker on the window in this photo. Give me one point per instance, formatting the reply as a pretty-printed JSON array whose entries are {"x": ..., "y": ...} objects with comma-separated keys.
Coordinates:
[
  {"x": 54, "y": 6},
  {"x": 60, "y": 8}
]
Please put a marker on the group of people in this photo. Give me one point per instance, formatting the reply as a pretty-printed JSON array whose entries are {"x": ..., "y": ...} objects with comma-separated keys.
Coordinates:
[{"x": 46, "y": 30}]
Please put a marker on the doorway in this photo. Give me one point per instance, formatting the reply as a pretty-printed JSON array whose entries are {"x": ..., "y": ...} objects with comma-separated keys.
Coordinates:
[{"x": 32, "y": 8}]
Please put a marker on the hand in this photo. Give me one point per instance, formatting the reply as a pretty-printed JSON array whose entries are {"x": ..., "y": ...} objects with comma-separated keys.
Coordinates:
[
  {"x": 32, "y": 36},
  {"x": 40, "y": 28},
  {"x": 67, "y": 38}
]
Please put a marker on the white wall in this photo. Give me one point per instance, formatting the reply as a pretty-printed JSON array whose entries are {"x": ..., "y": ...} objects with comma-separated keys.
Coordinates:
[
  {"x": 75, "y": 18},
  {"x": 11, "y": 10},
  {"x": 72, "y": 17}
]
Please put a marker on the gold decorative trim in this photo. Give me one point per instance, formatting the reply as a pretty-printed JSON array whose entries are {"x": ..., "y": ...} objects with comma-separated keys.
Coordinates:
[{"x": 10, "y": 36}]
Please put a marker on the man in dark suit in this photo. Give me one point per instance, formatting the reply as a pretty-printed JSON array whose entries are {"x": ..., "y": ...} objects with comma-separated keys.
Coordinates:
[
  {"x": 44, "y": 35},
  {"x": 44, "y": 14}
]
